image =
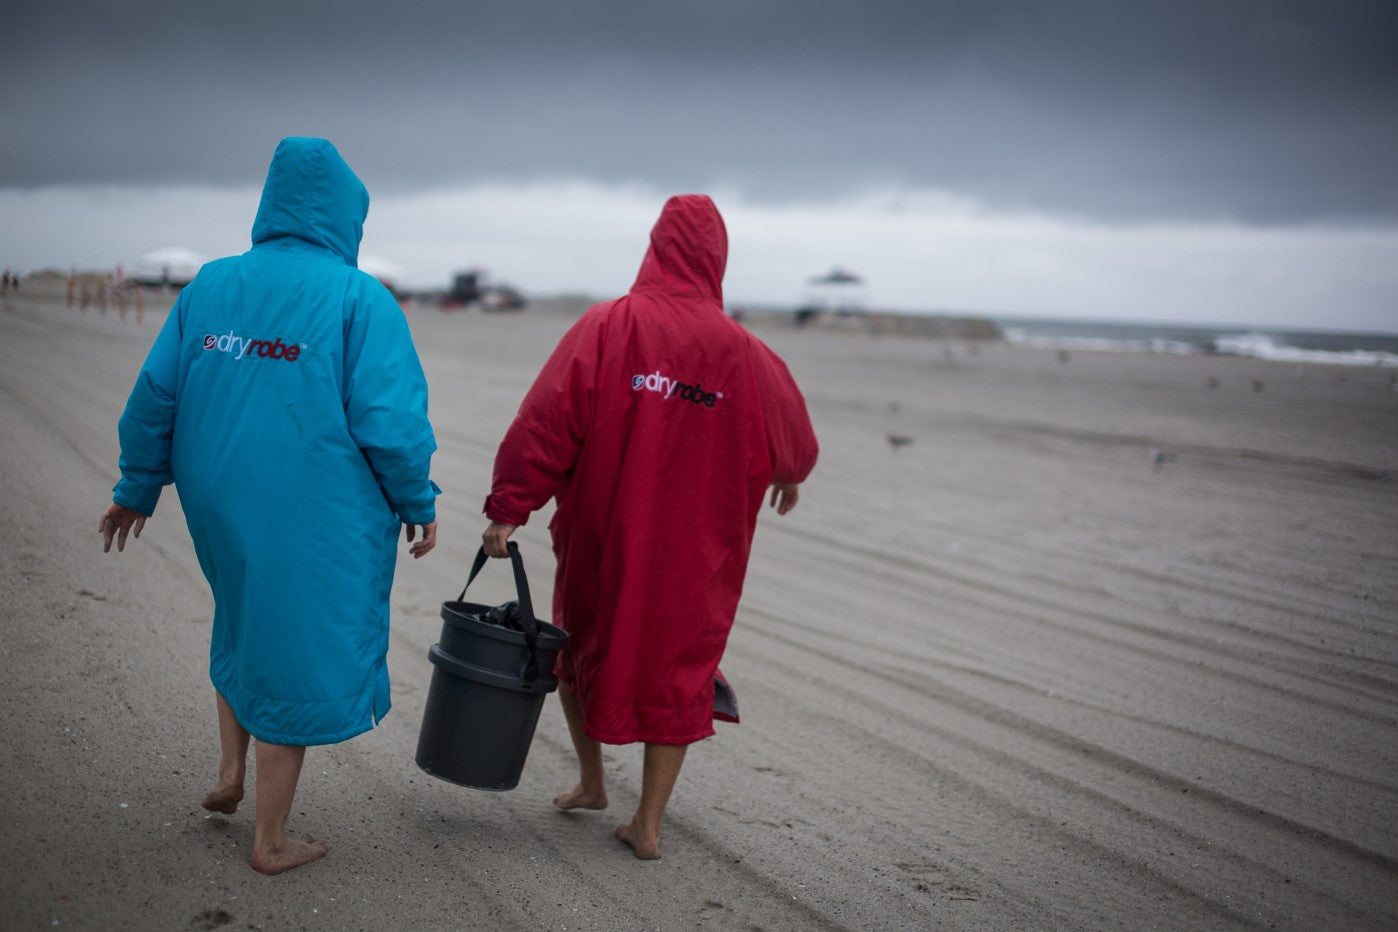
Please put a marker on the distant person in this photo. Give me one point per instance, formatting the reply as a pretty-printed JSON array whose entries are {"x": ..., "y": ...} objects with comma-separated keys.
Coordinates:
[
  {"x": 284, "y": 399},
  {"x": 658, "y": 424}
]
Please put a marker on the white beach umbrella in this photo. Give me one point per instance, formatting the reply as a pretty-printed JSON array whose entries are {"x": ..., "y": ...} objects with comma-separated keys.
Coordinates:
[
  {"x": 385, "y": 271},
  {"x": 173, "y": 265}
]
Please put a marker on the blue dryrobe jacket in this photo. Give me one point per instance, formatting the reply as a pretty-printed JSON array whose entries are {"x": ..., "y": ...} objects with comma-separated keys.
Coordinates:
[{"x": 285, "y": 400}]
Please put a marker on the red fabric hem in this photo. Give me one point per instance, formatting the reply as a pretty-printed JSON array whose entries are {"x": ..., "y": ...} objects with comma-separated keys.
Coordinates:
[{"x": 646, "y": 739}]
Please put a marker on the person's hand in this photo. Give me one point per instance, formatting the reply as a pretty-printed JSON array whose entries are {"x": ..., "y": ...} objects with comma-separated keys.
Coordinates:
[
  {"x": 429, "y": 539},
  {"x": 784, "y": 496},
  {"x": 494, "y": 539},
  {"x": 118, "y": 521}
]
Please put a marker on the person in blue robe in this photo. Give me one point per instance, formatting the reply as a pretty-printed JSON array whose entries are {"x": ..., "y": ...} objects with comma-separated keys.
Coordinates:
[{"x": 285, "y": 401}]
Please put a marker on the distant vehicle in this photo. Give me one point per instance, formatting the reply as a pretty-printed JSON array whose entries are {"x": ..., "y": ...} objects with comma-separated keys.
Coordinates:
[
  {"x": 501, "y": 298},
  {"x": 473, "y": 288}
]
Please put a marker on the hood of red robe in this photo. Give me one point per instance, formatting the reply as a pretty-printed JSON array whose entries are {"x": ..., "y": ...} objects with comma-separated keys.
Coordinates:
[{"x": 688, "y": 249}]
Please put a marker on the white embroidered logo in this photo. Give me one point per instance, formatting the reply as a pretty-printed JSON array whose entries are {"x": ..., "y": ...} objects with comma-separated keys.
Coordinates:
[{"x": 669, "y": 388}]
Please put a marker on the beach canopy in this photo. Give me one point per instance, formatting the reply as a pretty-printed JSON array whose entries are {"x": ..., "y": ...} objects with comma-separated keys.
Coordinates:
[
  {"x": 838, "y": 290},
  {"x": 837, "y": 276},
  {"x": 173, "y": 265}
]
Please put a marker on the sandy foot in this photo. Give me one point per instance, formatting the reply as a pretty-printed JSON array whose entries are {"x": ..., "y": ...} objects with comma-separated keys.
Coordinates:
[
  {"x": 576, "y": 798},
  {"x": 223, "y": 798},
  {"x": 291, "y": 853},
  {"x": 647, "y": 849}
]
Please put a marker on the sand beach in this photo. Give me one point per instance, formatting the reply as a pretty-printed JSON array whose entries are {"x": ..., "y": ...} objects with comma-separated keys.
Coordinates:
[{"x": 1107, "y": 641}]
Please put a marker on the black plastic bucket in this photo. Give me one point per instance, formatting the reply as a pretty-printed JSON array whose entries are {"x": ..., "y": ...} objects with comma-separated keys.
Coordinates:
[{"x": 488, "y": 688}]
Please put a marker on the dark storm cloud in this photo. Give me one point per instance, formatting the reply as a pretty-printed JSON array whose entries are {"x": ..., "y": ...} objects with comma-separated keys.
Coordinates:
[{"x": 1267, "y": 111}]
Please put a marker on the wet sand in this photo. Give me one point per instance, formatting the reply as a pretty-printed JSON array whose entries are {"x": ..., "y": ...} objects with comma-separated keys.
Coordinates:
[{"x": 1009, "y": 673}]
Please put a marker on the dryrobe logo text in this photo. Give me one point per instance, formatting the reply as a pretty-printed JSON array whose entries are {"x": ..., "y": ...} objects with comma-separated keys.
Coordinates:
[
  {"x": 230, "y": 342},
  {"x": 673, "y": 388}
]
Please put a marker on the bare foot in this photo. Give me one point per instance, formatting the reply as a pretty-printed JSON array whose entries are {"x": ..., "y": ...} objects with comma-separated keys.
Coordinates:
[
  {"x": 578, "y": 798},
  {"x": 290, "y": 853},
  {"x": 224, "y": 797},
  {"x": 647, "y": 849}
]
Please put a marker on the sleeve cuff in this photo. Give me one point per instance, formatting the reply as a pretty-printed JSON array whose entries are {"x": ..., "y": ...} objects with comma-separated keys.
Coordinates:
[
  {"x": 421, "y": 513},
  {"x": 495, "y": 514},
  {"x": 138, "y": 498}
]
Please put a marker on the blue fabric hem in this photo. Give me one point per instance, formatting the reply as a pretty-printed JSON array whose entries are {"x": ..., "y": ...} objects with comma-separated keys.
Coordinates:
[
  {"x": 378, "y": 705},
  {"x": 272, "y": 737}
]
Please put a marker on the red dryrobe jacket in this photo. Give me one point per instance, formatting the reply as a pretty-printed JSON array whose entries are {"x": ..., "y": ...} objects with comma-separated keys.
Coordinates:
[{"x": 658, "y": 423}]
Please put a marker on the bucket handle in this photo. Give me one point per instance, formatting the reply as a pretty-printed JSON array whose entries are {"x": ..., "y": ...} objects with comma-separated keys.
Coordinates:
[{"x": 526, "y": 605}]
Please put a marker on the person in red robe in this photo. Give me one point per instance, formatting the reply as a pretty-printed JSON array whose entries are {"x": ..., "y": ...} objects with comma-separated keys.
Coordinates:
[{"x": 657, "y": 425}]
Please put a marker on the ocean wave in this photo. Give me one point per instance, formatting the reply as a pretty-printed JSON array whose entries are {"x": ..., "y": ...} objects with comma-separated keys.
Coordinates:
[
  {"x": 1250, "y": 344},
  {"x": 1266, "y": 346}
]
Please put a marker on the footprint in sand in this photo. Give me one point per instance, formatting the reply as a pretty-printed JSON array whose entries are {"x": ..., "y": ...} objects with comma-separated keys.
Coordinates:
[{"x": 928, "y": 876}]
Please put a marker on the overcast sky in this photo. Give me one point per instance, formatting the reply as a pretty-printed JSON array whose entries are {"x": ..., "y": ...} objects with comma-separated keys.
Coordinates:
[{"x": 1066, "y": 157}]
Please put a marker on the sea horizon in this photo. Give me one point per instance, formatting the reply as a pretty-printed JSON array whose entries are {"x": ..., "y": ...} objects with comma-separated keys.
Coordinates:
[{"x": 1277, "y": 342}]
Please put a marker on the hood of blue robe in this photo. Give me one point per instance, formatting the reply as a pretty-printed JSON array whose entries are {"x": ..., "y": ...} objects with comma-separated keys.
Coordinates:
[{"x": 313, "y": 195}]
